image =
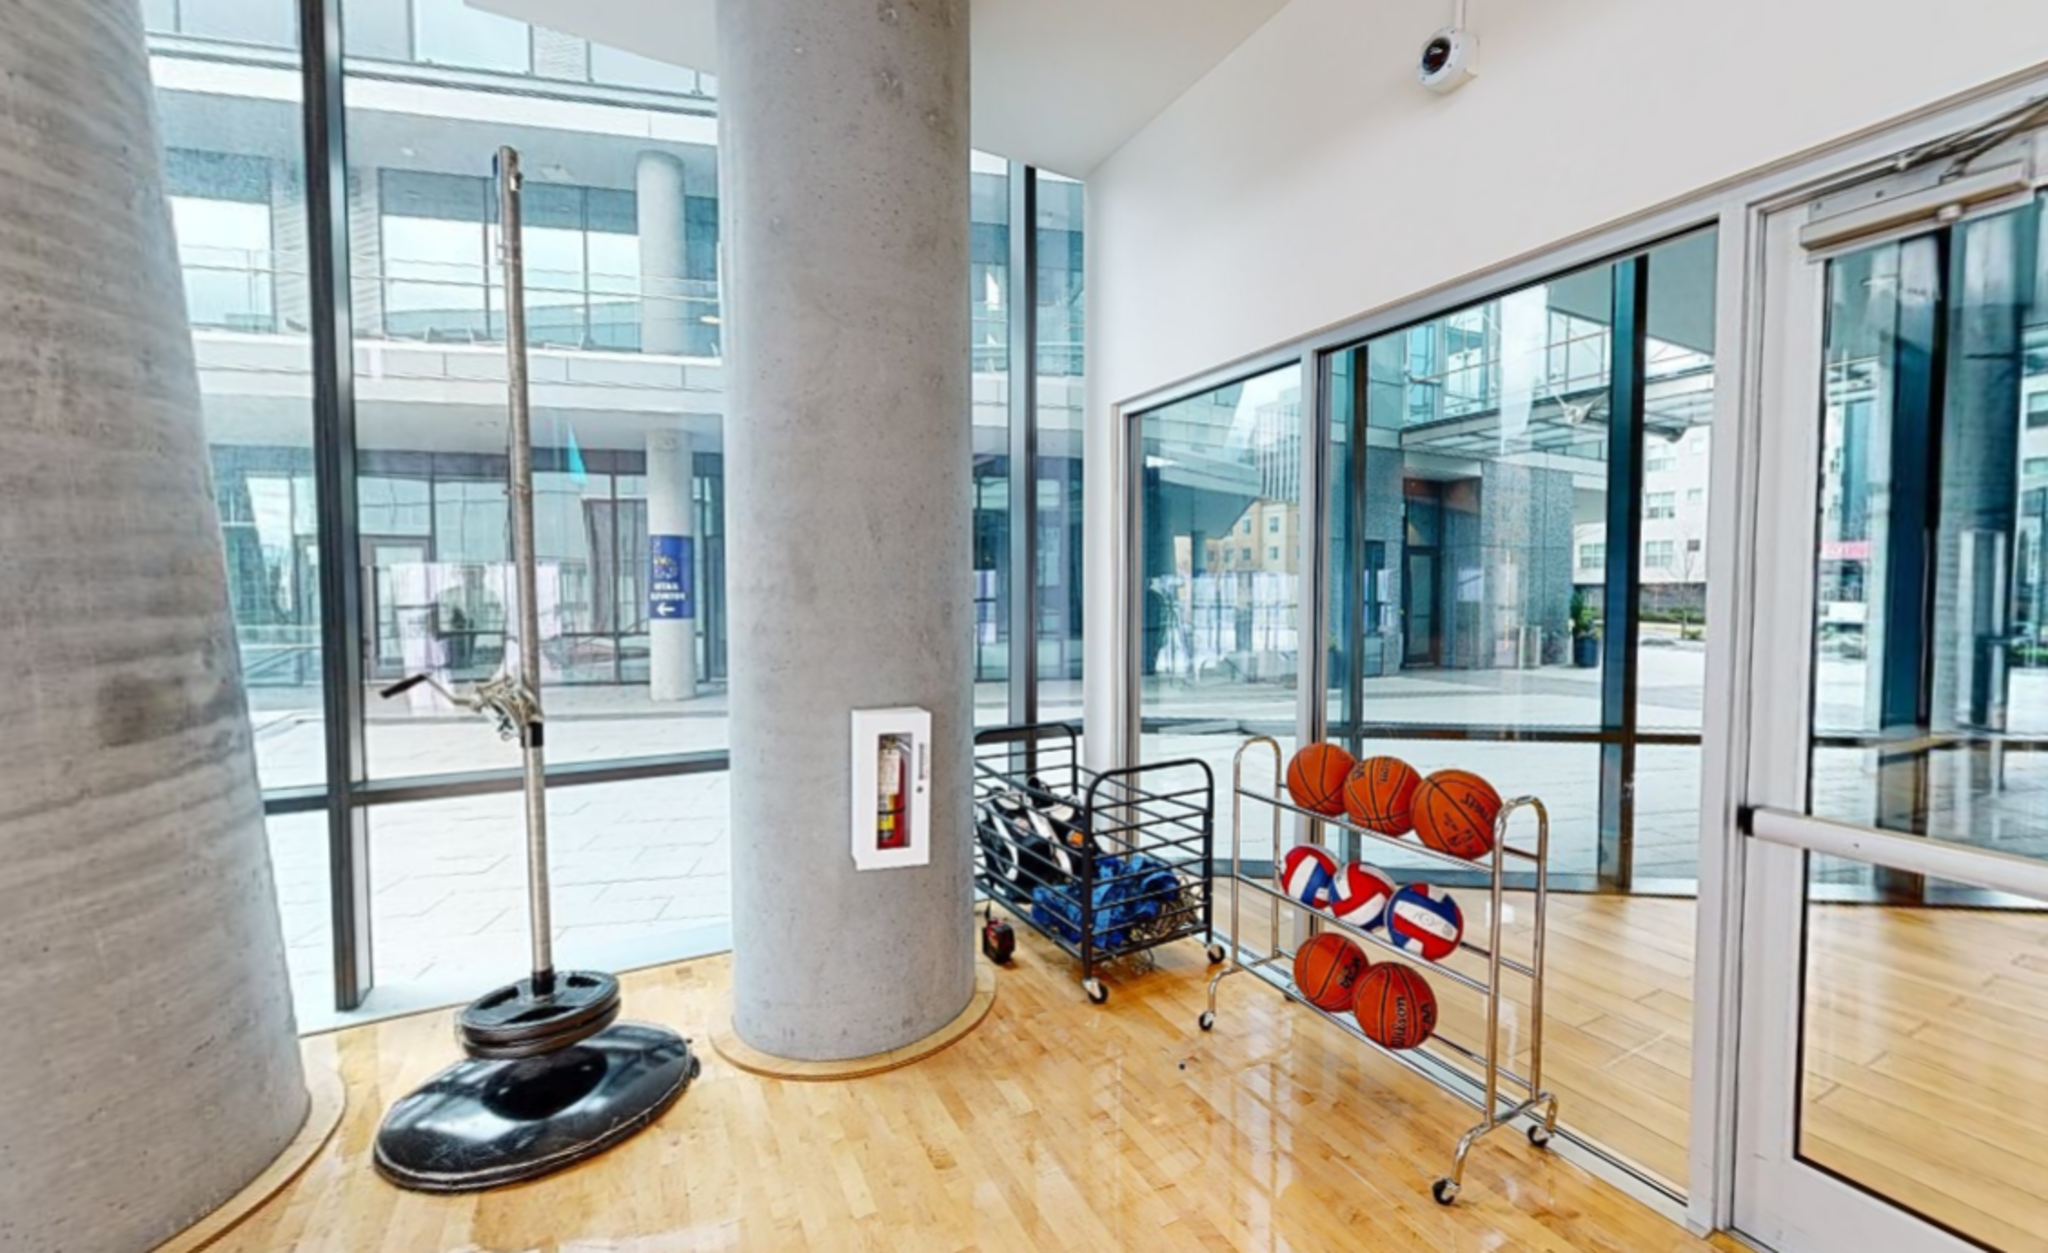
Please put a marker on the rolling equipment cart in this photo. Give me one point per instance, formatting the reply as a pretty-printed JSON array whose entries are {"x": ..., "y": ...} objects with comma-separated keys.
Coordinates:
[
  {"x": 1497, "y": 1108},
  {"x": 1107, "y": 866}
]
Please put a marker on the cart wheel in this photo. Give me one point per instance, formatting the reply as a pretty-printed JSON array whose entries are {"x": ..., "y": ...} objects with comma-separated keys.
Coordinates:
[
  {"x": 1207, "y": 1020},
  {"x": 1539, "y": 1135},
  {"x": 1444, "y": 1191},
  {"x": 1216, "y": 954},
  {"x": 1096, "y": 992}
]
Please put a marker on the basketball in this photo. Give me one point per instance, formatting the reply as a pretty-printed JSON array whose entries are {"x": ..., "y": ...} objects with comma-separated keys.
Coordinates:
[
  {"x": 1327, "y": 970},
  {"x": 1395, "y": 1006},
  {"x": 1362, "y": 893},
  {"x": 1454, "y": 813},
  {"x": 1308, "y": 874},
  {"x": 1423, "y": 921},
  {"x": 1380, "y": 795},
  {"x": 1315, "y": 778}
]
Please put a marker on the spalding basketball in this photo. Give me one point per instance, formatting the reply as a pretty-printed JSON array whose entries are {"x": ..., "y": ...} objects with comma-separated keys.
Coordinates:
[
  {"x": 1425, "y": 922},
  {"x": 1395, "y": 1006},
  {"x": 1315, "y": 778},
  {"x": 1327, "y": 970},
  {"x": 1380, "y": 795},
  {"x": 1308, "y": 874},
  {"x": 1362, "y": 894},
  {"x": 1454, "y": 813}
]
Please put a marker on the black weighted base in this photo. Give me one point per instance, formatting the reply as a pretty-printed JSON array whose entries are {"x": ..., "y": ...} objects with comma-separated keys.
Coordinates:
[
  {"x": 483, "y": 1124},
  {"x": 518, "y": 1021}
]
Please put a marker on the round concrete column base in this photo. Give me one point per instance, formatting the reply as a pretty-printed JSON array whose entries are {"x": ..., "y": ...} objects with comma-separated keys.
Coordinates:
[{"x": 748, "y": 1058}]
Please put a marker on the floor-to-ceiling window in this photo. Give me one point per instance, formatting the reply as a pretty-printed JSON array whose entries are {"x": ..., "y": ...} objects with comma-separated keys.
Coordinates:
[
  {"x": 1513, "y": 550},
  {"x": 1219, "y": 643},
  {"x": 626, "y": 347},
  {"x": 1517, "y": 572}
]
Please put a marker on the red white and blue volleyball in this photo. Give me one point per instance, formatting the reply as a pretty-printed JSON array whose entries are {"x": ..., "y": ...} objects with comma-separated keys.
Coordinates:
[
  {"x": 1423, "y": 921},
  {"x": 1362, "y": 894},
  {"x": 1309, "y": 875}
]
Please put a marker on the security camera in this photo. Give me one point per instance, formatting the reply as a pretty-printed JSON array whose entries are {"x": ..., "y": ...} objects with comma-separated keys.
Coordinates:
[{"x": 1449, "y": 60}]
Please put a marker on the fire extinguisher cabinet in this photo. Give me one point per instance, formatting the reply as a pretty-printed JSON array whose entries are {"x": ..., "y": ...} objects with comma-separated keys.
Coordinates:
[{"x": 892, "y": 788}]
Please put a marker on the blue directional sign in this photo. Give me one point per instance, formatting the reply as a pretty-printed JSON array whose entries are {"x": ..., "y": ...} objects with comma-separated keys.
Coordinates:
[{"x": 671, "y": 577}]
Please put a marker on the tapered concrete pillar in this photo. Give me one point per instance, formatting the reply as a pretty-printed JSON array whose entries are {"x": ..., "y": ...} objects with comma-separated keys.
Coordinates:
[
  {"x": 148, "y": 1063},
  {"x": 664, "y": 254},
  {"x": 845, "y": 174},
  {"x": 671, "y": 532}
]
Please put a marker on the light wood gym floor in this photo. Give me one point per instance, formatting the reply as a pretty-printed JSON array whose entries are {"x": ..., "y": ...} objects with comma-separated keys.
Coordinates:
[
  {"x": 1056, "y": 1125},
  {"x": 1059, "y": 1125}
]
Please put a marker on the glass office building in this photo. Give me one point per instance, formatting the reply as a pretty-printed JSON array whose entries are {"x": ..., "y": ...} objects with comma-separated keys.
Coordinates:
[{"x": 624, "y": 298}]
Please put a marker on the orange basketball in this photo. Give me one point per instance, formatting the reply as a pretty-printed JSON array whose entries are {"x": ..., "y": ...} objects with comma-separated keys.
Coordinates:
[
  {"x": 1395, "y": 1006},
  {"x": 1327, "y": 970},
  {"x": 1380, "y": 795},
  {"x": 1454, "y": 813},
  {"x": 1315, "y": 778}
]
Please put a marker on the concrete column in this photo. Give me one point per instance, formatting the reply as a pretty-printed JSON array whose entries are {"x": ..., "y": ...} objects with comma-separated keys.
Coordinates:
[
  {"x": 848, "y": 455},
  {"x": 151, "y": 1064},
  {"x": 664, "y": 311},
  {"x": 671, "y": 516}
]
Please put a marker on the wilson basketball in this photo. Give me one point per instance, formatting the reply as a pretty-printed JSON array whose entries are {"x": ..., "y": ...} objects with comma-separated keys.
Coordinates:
[
  {"x": 1362, "y": 894},
  {"x": 1425, "y": 922},
  {"x": 1309, "y": 875},
  {"x": 1327, "y": 970},
  {"x": 1454, "y": 813},
  {"x": 1395, "y": 1006},
  {"x": 1380, "y": 795},
  {"x": 1315, "y": 778}
]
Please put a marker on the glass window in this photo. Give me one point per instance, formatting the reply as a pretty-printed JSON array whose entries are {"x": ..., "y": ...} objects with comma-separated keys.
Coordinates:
[
  {"x": 1476, "y": 489},
  {"x": 642, "y": 873},
  {"x": 626, "y": 448},
  {"x": 234, "y": 174},
  {"x": 1220, "y": 645},
  {"x": 1931, "y": 665},
  {"x": 1922, "y": 1066},
  {"x": 988, "y": 297},
  {"x": 449, "y": 32},
  {"x": 274, "y": 23},
  {"x": 2037, "y": 410},
  {"x": 617, "y": 68}
]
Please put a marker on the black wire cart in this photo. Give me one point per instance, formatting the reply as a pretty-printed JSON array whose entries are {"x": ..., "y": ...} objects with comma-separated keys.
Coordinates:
[{"x": 1107, "y": 866}]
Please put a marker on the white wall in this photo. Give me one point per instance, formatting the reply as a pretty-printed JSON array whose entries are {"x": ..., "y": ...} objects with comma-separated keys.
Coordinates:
[{"x": 1308, "y": 179}]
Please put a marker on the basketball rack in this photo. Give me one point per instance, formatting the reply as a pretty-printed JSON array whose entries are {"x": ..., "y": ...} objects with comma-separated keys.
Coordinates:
[{"x": 1502, "y": 1084}]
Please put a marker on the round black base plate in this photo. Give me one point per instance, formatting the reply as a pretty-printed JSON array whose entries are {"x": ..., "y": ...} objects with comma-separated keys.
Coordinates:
[{"x": 483, "y": 1124}]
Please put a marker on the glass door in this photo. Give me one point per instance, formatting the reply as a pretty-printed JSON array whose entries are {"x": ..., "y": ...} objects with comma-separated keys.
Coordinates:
[{"x": 1894, "y": 1037}]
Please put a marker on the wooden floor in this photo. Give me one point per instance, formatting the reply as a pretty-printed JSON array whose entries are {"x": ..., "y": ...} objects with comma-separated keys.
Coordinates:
[
  {"x": 1927, "y": 1063},
  {"x": 1057, "y": 1125},
  {"x": 1618, "y": 1052}
]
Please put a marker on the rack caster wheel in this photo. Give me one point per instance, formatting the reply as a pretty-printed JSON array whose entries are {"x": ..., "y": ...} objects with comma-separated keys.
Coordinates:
[
  {"x": 1539, "y": 1135},
  {"x": 1096, "y": 992},
  {"x": 1208, "y": 1020},
  {"x": 1216, "y": 954},
  {"x": 1444, "y": 1191}
]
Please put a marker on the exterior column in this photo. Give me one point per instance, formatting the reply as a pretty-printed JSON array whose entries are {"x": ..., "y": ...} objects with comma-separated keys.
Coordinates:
[
  {"x": 848, "y": 461},
  {"x": 152, "y": 1066},
  {"x": 672, "y": 598},
  {"x": 664, "y": 311}
]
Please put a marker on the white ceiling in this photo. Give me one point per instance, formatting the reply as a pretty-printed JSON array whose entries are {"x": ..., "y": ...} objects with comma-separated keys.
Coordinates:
[{"x": 1059, "y": 84}]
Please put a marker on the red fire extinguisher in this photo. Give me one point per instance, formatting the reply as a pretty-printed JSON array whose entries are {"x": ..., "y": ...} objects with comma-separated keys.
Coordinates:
[{"x": 892, "y": 816}]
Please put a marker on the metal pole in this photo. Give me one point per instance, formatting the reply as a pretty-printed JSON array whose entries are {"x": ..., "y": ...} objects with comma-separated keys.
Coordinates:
[{"x": 519, "y": 486}]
